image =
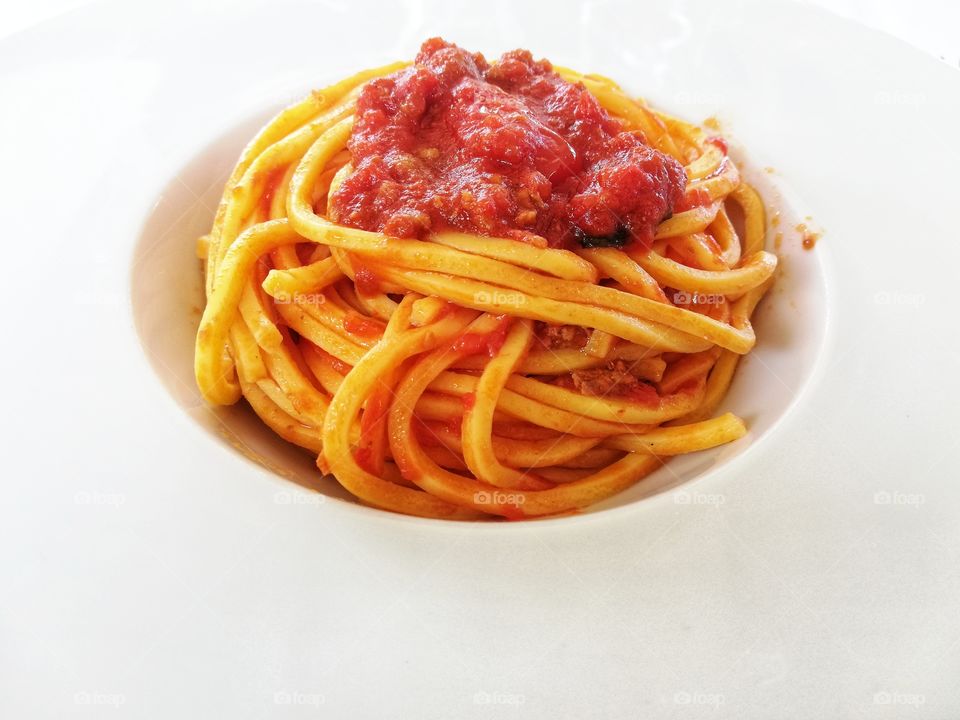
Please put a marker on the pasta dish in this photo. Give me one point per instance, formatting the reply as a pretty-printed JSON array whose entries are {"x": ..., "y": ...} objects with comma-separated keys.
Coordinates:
[{"x": 483, "y": 289}]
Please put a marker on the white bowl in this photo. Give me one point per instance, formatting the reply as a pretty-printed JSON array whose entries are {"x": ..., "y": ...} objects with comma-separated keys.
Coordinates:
[{"x": 167, "y": 292}]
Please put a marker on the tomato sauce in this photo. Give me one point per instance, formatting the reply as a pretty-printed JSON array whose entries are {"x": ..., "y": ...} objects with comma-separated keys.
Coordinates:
[
  {"x": 693, "y": 198},
  {"x": 339, "y": 365},
  {"x": 270, "y": 185},
  {"x": 366, "y": 280},
  {"x": 425, "y": 434},
  {"x": 808, "y": 236},
  {"x": 363, "y": 456},
  {"x": 642, "y": 394},
  {"x": 507, "y": 149},
  {"x": 371, "y": 424},
  {"x": 720, "y": 143},
  {"x": 363, "y": 326},
  {"x": 486, "y": 343}
]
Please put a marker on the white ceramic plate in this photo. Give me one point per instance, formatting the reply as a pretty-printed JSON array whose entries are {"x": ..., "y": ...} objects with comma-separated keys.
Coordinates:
[{"x": 161, "y": 560}]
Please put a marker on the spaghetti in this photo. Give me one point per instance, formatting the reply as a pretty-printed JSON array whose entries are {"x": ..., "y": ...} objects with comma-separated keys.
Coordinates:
[{"x": 482, "y": 290}]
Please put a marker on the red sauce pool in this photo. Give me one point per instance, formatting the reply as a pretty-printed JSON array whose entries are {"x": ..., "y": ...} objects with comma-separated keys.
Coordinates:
[
  {"x": 504, "y": 149},
  {"x": 643, "y": 394},
  {"x": 488, "y": 343},
  {"x": 366, "y": 280}
]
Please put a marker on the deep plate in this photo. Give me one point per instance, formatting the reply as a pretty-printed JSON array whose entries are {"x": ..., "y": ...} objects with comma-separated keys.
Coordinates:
[{"x": 167, "y": 292}]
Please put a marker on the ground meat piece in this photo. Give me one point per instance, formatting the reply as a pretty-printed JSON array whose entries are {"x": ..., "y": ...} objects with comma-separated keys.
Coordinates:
[
  {"x": 614, "y": 378},
  {"x": 554, "y": 337},
  {"x": 563, "y": 381}
]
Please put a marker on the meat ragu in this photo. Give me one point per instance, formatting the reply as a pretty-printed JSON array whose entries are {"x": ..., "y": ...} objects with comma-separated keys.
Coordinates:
[
  {"x": 556, "y": 337},
  {"x": 505, "y": 148},
  {"x": 614, "y": 378}
]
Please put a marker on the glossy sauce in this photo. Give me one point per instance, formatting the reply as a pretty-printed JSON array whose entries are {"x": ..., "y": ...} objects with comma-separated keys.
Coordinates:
[
  {"x": 486, "y": 343},
  {"x": 507, "y": 149}
]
